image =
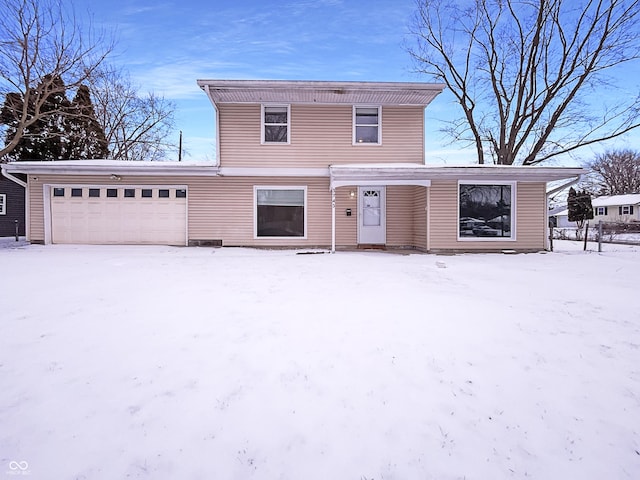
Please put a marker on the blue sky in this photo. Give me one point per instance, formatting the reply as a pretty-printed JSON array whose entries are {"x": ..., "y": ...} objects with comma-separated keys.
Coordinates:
[{"x": 167, "y": 45}]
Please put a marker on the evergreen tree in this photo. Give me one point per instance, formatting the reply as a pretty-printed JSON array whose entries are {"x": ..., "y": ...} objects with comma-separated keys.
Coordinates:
[
  {"x": 65, "y": 130},
  {"x": 47, "y": 137},
  {"x": 87, "y": 138},
  {"x": 579, "y": 206}
]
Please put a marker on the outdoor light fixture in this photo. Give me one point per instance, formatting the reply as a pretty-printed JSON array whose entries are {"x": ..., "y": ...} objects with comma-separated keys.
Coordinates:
[
  {"x": 352, "y": 194},
  {"x": 115, "y": 177}
]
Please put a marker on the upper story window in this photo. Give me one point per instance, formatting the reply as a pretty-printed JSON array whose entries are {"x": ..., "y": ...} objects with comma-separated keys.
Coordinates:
[
  {"x": 366, "y": 125},
  {"x": 275, "y": 123}
]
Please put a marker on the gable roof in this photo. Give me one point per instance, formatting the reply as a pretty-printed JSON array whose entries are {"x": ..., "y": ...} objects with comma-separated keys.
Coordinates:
[
  {"x": 613, "y": 200},
  {"x": 320, "y": 92}
]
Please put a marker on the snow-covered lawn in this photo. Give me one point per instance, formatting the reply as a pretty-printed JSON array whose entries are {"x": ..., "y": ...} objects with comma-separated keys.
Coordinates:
[{"x": 199, "y": 363}]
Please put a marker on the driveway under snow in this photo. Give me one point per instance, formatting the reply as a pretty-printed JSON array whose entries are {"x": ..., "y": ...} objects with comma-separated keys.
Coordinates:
[{"x": 198, "y": 363}]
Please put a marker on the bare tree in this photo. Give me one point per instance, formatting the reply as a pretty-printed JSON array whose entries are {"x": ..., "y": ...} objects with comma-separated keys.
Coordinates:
[
  {"x": 526, "y": 73},
  {"x": 615, "y": 172},
  {"x": 41, "y": 42},
  {"x": 137, "y": 126}
]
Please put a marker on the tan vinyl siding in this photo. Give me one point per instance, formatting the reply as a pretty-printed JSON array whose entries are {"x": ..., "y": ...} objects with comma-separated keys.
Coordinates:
[
  {"x": 36, "y": 211},
  {"x": 443, "y": 216},
  {"x": 420, "y": 217},
  {"x": 531, "y": 228},
  {"x": 529, "y": 224},
  {"x": 218, "y": 208},
  {"x": 400, "y": 228},
  {"x": 225, "y": 211},
  {"x": 320, "y": 135},
  {"x": 346, "y": 227}
]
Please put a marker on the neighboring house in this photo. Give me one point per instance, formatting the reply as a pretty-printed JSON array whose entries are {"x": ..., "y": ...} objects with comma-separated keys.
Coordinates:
[
  {"x": 612, "y": 208},
  {"x": 299, "y": 164},
  {"x": 12, "y": 197}
]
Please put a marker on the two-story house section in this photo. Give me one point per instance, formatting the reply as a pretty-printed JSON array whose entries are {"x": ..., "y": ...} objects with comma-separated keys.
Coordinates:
[
  {"x": 343, "y": 164},
  {"x": 277, "y": 141},
  {"x": 337, "y": 165}
]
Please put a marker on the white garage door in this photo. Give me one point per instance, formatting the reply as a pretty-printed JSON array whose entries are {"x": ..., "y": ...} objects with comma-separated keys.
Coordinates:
[{"x": 119, "y": 215}]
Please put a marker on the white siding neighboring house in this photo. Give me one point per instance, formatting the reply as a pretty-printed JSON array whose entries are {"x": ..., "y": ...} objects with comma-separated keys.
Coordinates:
[{"x": 612, "y": 208}]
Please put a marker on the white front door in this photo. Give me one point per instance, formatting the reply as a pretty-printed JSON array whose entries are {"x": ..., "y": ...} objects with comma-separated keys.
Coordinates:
[{"x": 372, "y": 223}]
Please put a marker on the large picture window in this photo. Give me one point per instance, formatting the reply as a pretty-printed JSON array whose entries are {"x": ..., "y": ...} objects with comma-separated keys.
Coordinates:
[
  {"x": 275, "y": 124},
  {"x": 366, "y": 125},
  {"x": 280, "y": 211},
  {"x": 486, "y": 211}
]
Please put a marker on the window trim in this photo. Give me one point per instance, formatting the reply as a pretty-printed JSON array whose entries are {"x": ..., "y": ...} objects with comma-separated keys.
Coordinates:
[
  {"x": 355, "y": 125},
  {"x": 263, "y": 124},
  {"x": 600, "y": 211},
  {"x": 279, "y": 187},
  {"x": 628, "y": 208},
  {"x": 514, "y": 196},
  {"x": 3, "y": 203}
]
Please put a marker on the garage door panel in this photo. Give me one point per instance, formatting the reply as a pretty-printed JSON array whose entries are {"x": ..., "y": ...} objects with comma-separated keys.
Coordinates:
[{"x": 119, "y": 218}]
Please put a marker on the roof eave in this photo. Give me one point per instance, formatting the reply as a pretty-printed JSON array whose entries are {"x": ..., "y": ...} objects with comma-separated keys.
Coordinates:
[
  {"x": 319, "y": 92},
  {"x": 61, "y": 168},
  {"x": 486, "y": 172}
]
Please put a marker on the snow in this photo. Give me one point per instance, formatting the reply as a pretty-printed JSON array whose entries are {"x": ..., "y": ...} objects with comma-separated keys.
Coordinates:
[
  {"x": 160, "y": 164},
  {"x": 195, "y": 363},
  {"x": 629, "y": 199}
]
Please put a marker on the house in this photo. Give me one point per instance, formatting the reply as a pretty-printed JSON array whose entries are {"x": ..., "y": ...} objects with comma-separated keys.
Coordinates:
[
  {"x": 12, "y": 207},
  {"x": 610, "y": 208},
  {"x": 299, "y": 164}
]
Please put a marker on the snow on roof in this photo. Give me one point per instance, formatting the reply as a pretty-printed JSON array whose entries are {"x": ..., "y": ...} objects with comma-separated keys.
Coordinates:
[
  {"x": 608, "y": 201},
  {"x": 613, "y": 200},
  {"x": 89, "y": 167},
  {"x": 342, "y": 174}
]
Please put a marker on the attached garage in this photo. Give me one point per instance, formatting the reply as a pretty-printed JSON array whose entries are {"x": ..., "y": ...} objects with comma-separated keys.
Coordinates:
[{"x": 108, "y": 214}]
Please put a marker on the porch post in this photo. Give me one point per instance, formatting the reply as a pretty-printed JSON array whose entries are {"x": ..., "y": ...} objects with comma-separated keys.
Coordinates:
[{"x": 333, "y": 220}]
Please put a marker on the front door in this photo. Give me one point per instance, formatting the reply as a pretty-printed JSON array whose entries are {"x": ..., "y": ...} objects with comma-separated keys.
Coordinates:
[{"x": 372, "y": 223}]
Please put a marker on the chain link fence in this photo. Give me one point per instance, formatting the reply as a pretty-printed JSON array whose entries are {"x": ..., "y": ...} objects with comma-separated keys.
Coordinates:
[{"x": 602, "y": 232}]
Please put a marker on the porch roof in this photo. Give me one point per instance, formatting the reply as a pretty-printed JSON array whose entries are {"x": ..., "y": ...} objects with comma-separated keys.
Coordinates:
[{"x": 416, "y": 174}]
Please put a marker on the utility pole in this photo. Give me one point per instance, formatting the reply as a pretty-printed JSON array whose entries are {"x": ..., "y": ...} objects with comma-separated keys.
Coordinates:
[{"x": 180, "y": 148}]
